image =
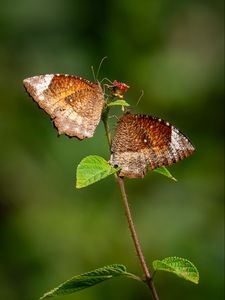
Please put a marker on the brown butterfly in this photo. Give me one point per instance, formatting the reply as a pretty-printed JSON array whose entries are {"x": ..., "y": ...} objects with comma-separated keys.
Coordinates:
[
  {"x": 74, "y": 104},
  {"x": 141, "y": 142}
]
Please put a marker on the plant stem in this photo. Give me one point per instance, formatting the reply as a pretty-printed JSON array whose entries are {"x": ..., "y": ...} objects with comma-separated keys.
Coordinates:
[
  {"x": 106, "y": 126},
  {"x": 148, "y": 276}
]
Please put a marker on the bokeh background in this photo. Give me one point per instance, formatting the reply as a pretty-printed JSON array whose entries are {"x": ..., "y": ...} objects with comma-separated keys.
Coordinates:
[{"x": 49, "y": 231}]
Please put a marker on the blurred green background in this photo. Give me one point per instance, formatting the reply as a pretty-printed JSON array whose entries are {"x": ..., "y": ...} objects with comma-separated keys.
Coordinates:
[{"x": 49, "y": 231}]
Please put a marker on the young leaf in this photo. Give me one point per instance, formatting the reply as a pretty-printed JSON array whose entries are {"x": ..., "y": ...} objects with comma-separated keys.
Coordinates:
[
  {"x": 88, "y": 279},
  {"x": 164, "y": 171},
  {"x": 119, "y": 102},
  {"x": 91, "y": 169},
  {"x": 179, "y": 266}
]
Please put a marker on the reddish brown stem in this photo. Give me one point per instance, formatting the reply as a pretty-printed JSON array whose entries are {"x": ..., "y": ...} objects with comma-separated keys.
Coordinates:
[{"x": 148, "y": 276}]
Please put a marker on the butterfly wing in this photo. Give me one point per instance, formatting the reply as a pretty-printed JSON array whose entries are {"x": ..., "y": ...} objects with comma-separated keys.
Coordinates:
[
  {"x": 74, "y": 104},
  {"x": 142, "y": 142}
]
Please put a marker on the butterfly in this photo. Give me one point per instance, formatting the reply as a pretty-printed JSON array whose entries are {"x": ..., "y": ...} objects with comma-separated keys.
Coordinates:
[
  {"x": 141, "y": 142},
  {"x": 74, "y": 104}
]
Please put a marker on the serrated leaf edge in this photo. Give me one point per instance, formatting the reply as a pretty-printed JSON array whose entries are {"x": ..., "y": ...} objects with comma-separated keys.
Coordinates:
[
  {"x": 170, "y": 268},
  {"x": 120, "y": 270},
  {"x": 97, "y": 177}
]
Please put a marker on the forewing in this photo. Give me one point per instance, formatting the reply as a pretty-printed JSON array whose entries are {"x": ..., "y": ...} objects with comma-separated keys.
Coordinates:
[
  {"x": 74, "y": 104},
  {"x": 165, "y": 142},
  {"x": 144, "y": 141}
]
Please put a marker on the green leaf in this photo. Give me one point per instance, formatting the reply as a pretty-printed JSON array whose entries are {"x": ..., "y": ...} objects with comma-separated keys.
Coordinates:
[
  {"x": 119, "y": 102},
  {"x": 88, "y": 279},
  {"x": 91, "y": 169},
  {"x": 164, "y": 171},
  {"x": 179, "y": 266}
]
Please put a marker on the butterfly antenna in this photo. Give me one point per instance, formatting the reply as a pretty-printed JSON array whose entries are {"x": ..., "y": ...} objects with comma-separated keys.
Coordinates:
[
  {"x": 93, "y": 73},
  {"x": 113, "y": 116},
  {"x": 105, "y": 85},
  {"x": 100, "y": 65},
  {"x": 142, "y": 94},
  {"x": 107, "y": 80}
]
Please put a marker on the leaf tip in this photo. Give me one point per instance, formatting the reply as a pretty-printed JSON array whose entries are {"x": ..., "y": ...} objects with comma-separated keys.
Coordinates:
[
  {"x": 77, "y": 186},
  {"x": 174, "y": 179},
  {"x": 164, "y": 171}
]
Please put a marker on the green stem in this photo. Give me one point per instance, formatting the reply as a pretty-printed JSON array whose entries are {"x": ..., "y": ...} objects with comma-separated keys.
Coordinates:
[
  {"x": 105, "y": 116},
  {"x": 148, "y": 276}
]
